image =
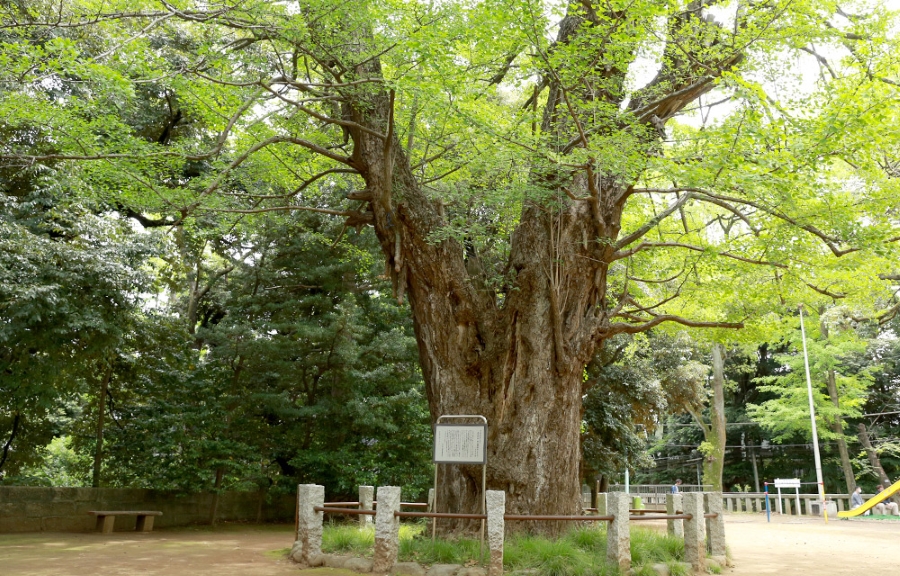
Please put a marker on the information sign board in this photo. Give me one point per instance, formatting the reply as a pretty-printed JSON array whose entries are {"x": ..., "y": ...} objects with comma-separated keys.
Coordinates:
[
  {"x": 787, "y": 482},
  {"x": 460, "y": 444}
]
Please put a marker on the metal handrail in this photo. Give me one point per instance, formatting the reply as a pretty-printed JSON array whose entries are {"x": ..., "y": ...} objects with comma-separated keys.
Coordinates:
[
  {"x": 560, "y": 518},
  {"x": 519, "y": 517},
  {"x": 344, "y": 511},
  {"x": 439, "y": 515}
]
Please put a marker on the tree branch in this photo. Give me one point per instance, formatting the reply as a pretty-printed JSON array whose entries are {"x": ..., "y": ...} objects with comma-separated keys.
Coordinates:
[
  {"x": 653, "y": 222},
  {"x": 622, "y": 328}
]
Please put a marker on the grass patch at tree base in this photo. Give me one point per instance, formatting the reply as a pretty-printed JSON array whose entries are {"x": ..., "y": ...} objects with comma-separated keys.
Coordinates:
[{"x": 580, "y": 552}]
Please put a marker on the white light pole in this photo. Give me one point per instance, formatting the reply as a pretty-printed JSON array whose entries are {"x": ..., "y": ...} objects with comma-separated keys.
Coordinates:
[{"x": 812, "y": 417}]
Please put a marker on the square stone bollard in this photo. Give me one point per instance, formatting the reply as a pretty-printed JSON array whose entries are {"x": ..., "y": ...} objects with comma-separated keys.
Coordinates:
[
  {"x": 366, "y": 496},
  {"x": 601, "y": 504},
  {"x": 618, "y": 535},
  {"x": 309, "y": 522},
  {"x": 387, "y": 529},
  {"x": 430, "y": 500},
  {"x": 715, "y": 527},
  {"x": 694, "y": 537},
  {"x": 496, "y": 508},
  {"x": 673, "y": 506}
]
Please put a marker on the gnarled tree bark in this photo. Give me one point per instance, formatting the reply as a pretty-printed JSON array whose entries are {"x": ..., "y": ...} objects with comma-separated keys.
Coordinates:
[{"x": 521, "y": 364}]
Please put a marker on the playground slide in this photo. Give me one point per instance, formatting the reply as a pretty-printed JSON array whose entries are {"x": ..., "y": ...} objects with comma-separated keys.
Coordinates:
[{"x": 871, "y": 502}]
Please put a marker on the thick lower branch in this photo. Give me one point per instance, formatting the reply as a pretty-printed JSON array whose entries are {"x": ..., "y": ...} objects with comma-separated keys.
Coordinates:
[{"x": 622, "y": 328}]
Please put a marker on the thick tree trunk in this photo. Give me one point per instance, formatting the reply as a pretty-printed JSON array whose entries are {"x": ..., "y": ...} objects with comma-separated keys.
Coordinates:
[
  {"x": 517, "y": 356},
  {"x": 511, "y": 365}
]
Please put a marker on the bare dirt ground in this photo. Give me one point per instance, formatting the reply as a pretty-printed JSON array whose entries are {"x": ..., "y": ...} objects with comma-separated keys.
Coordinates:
[
  {"x": 792, "y": 545},
  {"x": 789, "y": 545},
  {"x": 231, "y": 550}
]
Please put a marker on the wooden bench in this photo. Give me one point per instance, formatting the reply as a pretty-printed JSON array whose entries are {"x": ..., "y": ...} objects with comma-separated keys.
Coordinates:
[{"x": 106, "y": 519}]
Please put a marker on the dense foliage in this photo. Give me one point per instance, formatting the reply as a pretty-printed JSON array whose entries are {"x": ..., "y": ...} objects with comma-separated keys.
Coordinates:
[{"x": 297, "y": 365}]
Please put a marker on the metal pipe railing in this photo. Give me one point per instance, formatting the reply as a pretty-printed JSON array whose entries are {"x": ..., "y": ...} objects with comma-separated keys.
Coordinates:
[
  {"x": 354, "y": 511},
  {"x": 439, "y": 515},
  {"x": 513, "y": 517},
  {"x": 560, "y": 518}
]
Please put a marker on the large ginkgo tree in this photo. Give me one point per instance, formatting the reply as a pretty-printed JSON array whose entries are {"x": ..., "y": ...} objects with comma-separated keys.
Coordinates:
[{"x": 541, "y": 176}]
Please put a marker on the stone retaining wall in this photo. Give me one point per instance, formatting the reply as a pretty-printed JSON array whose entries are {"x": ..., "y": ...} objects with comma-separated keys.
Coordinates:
[{"x": 40, "y": 509}]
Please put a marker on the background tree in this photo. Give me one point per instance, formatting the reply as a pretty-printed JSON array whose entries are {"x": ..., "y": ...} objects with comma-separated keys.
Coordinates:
[{"x": 68, "y": 283}]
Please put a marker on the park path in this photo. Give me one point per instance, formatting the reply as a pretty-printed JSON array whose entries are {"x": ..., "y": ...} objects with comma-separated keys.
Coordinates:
[
  {"x": 792, "y": 545},
  {"x": 238, "y": 551}
]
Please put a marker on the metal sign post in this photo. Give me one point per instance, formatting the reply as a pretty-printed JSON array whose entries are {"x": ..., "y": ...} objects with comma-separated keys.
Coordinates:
[
  {"x": 460, "y": 444},
  {"x": 788, "y": 483}
]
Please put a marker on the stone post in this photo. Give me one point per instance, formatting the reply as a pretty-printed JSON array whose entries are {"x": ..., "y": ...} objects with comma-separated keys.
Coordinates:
[
  {"x": 430, "y": 500},
  {"x": 387, "y": 529},
  {"x": 366, "y": 495},
  {"x": 715, "y": 527},
  {"x": 601, "y": 504},
  {"x": 309, "y": 525},
  {"x": 618, "y": 535},
  {"x": 694, "y": 538},
  {"x": 673, "y": 506},
  {"x": 496, "y": 508}
]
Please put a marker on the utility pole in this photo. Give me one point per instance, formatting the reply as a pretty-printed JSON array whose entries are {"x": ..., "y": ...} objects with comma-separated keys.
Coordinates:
[{"x": 812, "y": 417}]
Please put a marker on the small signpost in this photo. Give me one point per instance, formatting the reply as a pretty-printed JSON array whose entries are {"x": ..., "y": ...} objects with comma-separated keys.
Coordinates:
[
  {"x": 788, "y": 483},
  {"x": 460, "y": 444}
]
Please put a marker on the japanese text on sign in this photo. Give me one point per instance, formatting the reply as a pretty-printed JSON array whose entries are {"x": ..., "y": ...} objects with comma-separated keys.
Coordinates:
[{"x": 460, "y": 443}]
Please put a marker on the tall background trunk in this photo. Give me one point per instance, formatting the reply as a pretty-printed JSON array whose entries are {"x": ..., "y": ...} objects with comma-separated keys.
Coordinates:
[
  {"x": 714, "y": 461},
  {"x": 837, "y": 426},
  {"x": 217, "y": 490},
  {"x": 874, "y": 460},
  {"x": 837, "y": 423},
  {"x": 101, "y": 417}
]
